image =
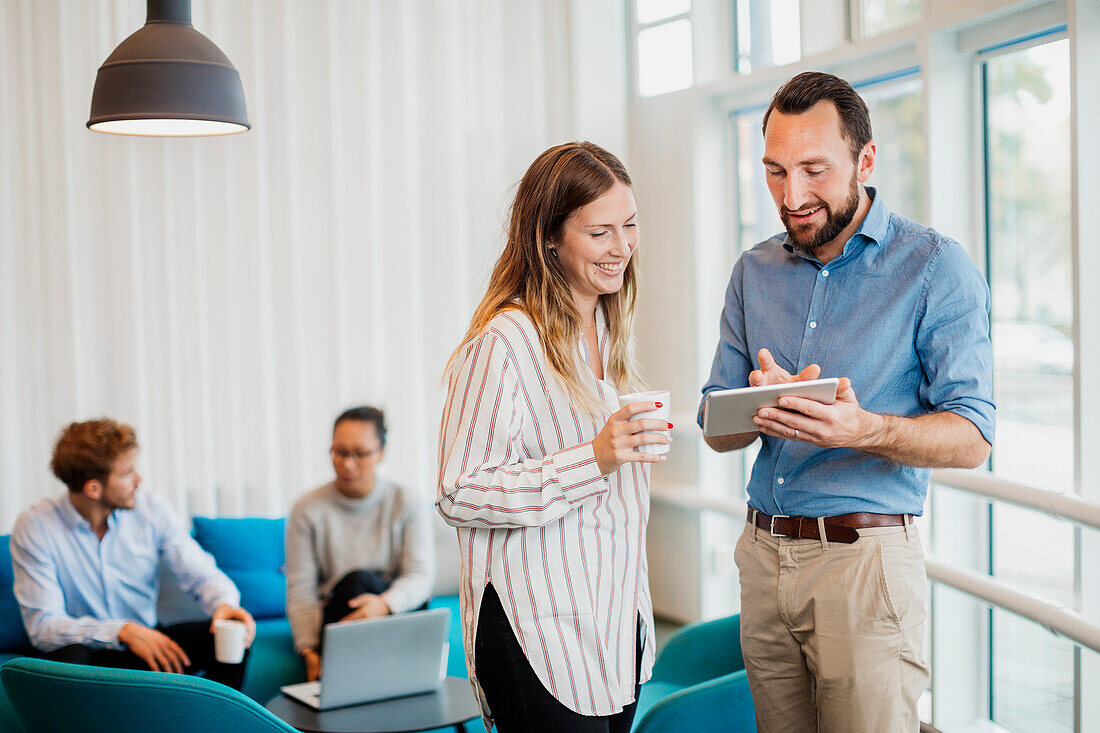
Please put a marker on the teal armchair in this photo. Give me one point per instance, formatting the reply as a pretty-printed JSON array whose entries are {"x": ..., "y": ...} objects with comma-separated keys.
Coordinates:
[
  {"x": 698, "y": 683},
  {"x": 53, "y": 696}
]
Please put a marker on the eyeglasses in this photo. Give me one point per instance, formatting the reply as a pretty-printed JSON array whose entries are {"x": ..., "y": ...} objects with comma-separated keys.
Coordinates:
[{"x": 358, "y": 455}]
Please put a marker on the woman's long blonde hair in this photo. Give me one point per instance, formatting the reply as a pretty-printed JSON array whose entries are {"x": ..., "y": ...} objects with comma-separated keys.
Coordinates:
[{"x": 528, "y": 278}]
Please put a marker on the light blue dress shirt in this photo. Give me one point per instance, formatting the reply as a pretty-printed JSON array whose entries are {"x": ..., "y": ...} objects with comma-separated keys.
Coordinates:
[
  {"x": 74, "y": 588},
  {"x": 902, "y": 312}
]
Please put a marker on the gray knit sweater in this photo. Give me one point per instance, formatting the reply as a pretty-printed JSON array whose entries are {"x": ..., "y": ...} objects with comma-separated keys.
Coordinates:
[{"x": 329, "y": 535}]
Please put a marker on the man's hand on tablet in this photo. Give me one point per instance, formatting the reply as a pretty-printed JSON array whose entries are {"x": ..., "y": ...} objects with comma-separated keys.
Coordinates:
[
  {"x": 771, "y": 373},
  {"x": 843, "y": 424}
]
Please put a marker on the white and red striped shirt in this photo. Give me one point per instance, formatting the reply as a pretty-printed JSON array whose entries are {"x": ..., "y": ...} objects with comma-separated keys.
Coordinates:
[{"x": 563, "y": 546}]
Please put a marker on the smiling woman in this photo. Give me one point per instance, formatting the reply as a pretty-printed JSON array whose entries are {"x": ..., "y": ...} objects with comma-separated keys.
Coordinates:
[
  {"x": 594, "y": 250},
  {"x": 544, "y": 499}
]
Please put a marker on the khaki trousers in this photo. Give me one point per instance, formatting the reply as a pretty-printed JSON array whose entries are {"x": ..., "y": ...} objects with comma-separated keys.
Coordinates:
[{"x": 832, "y": 633}]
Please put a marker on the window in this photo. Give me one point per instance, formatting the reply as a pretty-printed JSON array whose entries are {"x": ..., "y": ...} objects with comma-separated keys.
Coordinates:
[
  {"x": 651, "y": 11},
  {"x": 768, "y": 33},
  {"x": 897, "y": 124},
  {"x": 878, "y": 16},
  {"x": 1027, "y": 163},
  {"x": 663, "y": 48},
  {"x": 971, "y": 112},
  {"x": 757, "y": 218}
]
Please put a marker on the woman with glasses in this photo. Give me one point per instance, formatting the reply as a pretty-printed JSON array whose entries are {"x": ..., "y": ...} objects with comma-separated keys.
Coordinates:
[
  {"x": 537, "y": 463},
  {"x": 359, "y": 546}
]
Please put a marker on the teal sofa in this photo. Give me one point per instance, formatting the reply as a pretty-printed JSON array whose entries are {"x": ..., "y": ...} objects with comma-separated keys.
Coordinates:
[
  {"x": 128, "y": 701},
  {"x": 251, "y": 552},
  {"x": 13, "y": 638},
  {"x": 698, "y": 683}
]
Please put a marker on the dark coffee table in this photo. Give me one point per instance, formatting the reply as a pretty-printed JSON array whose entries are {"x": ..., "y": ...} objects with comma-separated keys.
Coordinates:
[{"x": 453, "y": 704}]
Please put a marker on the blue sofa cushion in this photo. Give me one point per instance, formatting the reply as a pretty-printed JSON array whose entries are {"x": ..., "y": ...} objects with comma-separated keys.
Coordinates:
[
  {"x": 13, "y": 637},
  {"x": 251, "y": 552}
]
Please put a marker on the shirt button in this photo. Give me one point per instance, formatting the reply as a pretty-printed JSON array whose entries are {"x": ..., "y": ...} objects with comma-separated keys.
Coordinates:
[
  {"x": 824, "y": 273},
  {"x": 813, "y": 324},
  {"x": 779, "y": 480}
]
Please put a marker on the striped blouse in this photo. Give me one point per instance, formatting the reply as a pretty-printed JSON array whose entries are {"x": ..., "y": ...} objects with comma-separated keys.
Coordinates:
[{"x": 563, "y": 546}]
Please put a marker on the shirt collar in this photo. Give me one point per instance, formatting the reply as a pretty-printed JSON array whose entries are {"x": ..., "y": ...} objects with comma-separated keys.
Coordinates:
[
  {"x": 877, "y": 221},
  {"x": 873, "y": 227},
  {"x": 69, "y": 514},
  {"x": 74, "y": 519}
]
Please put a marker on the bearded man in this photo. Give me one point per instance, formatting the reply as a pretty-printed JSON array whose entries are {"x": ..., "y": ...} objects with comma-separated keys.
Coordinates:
[{"x": 833, "y": 586}]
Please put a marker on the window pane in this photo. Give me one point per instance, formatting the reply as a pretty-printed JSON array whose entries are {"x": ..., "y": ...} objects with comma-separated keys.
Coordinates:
[
  {"x": 1028, "y": 189},
  {"x": 1032, "y": 677},
  {"x": 897, "y": 124},
  {"x": 648, "y": 11},
  {"x": 757, "y": 218},
  {"x": 884, "y": 15},
  {"x": 768, "y": 33},
  {"x": 664, "y": 58}
]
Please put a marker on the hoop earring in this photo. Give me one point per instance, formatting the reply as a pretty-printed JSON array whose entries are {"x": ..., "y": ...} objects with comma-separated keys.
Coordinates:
[{"x": 554, "y": 252}]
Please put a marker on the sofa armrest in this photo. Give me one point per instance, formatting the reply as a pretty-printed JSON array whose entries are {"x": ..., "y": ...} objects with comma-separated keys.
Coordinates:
[
  {"x": 701, "y": 651},
  {"x": 723, "y": 703}
]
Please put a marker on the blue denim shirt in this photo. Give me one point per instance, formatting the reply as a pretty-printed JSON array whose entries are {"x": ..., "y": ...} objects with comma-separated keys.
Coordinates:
[{"x": 902, "y": 312}]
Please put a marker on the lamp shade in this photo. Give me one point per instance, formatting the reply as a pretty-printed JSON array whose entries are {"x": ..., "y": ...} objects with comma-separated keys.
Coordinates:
[{"x": 168, "y": 79}]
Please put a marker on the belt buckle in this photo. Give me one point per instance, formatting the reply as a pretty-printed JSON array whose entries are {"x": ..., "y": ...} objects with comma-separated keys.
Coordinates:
[{"x": 771, "y": 528}]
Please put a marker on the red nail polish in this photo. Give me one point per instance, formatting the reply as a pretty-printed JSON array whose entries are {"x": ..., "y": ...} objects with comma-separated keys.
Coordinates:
[
  {"x": 670, "y": 426},
  {"x": 658, "y": 404}
]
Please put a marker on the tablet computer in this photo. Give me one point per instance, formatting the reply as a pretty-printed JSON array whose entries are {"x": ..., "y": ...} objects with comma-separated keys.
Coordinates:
[{"x": 729, "y": 411}]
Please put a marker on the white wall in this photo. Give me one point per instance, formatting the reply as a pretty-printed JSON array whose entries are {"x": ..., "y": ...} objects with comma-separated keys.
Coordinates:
[
  {"x": 678, "y": 148},
  {"x": 229, "y": 296}
]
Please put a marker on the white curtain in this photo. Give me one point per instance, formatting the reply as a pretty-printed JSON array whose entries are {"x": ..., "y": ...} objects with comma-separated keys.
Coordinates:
[{"x": 229, "y": 296}]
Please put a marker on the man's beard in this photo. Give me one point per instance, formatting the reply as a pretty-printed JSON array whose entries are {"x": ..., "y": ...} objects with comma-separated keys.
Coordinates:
[{"x": 805, "y": 241}]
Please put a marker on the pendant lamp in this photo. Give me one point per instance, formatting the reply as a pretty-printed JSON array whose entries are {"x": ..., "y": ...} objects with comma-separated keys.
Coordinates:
[{"x": 167, "y": 79}]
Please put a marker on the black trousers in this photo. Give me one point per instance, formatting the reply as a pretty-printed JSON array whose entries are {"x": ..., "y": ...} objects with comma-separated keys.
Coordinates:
[
  {"x": 353, "y": 584},
  {"x": 194, "y": 638},
  {"x": 516, "y": 697}
]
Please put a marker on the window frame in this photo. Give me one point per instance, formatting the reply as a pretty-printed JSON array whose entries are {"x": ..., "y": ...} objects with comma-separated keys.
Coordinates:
[
  {"x": 954, "y": 152},
  {"x": 634, "y": 30},
  {"x": 981, "y": 57}
]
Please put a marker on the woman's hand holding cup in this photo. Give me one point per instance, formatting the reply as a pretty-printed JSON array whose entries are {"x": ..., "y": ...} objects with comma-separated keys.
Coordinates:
[{"x": 637, "y": 433}]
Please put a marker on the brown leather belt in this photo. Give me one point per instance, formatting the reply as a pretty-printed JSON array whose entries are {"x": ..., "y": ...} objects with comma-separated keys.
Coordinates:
[{"x": 841, "y": 528}]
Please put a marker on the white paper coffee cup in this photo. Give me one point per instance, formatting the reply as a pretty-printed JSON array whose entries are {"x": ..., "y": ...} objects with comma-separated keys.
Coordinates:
[
  {"x": 661, "y": 413},
  {"x": 229, "y": 636}
]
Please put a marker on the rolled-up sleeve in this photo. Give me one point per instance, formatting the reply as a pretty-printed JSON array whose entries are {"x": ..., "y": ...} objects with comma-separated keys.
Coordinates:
[
  {"x": 484, "y": 479},
  {"x": 953, "y": 343}
]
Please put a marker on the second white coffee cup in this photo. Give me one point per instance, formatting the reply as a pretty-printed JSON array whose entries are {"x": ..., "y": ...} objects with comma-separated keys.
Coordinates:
[
  {"x": 229, "y": 637},
  {"x": 661, "y": 413}
]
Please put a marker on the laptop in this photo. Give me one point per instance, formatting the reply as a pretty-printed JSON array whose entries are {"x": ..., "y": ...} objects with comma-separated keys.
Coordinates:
[{"x": 378, "y": 659}]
